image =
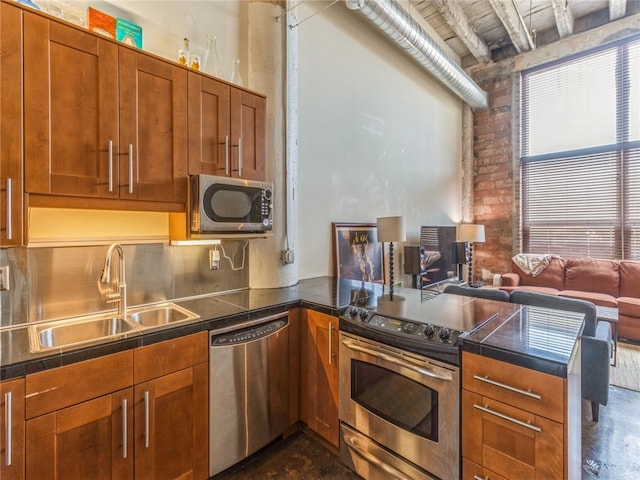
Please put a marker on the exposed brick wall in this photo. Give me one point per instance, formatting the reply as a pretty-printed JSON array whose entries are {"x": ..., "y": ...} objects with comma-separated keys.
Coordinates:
[{"x": 495, "y": 199}]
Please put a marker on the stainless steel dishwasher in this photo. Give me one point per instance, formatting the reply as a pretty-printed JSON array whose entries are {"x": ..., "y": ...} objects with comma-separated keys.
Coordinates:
[{"x": 248, "y": 388}]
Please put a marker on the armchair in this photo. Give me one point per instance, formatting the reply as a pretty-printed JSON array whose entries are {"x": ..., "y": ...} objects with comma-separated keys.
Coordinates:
[{"x": 596, "y": 344}]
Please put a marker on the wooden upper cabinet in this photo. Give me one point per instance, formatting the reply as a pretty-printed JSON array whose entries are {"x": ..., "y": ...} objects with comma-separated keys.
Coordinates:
[
  {"x": 11, "y": 205},
  {"x": 12, "y": 425},
  {"x": 71, "y": 110},
  {"x": 209, "y": 126},
  {"x": 153, "y": 128},
  {"x": 248, "y": 135},
  {"x": 227, "y": 130},
  {"x": 101, "y": 120}
]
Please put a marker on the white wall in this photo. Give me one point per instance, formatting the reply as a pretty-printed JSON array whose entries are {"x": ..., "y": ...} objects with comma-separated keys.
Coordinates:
[{"x": 378, "y": 135}]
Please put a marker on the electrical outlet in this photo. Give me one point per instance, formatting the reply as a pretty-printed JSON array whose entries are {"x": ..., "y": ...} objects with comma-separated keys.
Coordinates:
[
  {"x": 287, "y": 257},
  {"x": 214, "y": 259},
  {"x": 4, "y": 277}
]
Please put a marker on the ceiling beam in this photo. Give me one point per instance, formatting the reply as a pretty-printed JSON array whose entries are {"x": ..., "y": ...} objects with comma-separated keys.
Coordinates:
[
  {"x": 456, "y": 18},
  {"x": 617, "y": 9},
  {"x": 513, "y": 22},
  {"x": 564, "y": 17}
]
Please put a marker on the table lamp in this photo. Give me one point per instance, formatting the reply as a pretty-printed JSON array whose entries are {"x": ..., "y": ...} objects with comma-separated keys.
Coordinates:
[
  {"x": 391, "y": 229},
  {"x": 472, "y": 234}
]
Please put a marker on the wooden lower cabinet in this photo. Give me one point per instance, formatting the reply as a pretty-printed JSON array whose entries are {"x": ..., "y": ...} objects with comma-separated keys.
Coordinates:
[
  {"x": 90, "y": 440},
  {"x": 172, "y": 409},
  {"x": 505, "y": 435},
  {"x": 319, "y": 372},
  {"x": 12, "y": 429},
  {"x": 171, "y": 426},
  {"x": 137, "y": 414}
]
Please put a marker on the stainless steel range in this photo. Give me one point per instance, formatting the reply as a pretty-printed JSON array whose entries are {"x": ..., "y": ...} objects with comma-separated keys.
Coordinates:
[{"x": 400, "y": 382}]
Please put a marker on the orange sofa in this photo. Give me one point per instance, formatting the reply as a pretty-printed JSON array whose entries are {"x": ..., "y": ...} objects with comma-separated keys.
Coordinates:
[{"x": 607, "y": 283}]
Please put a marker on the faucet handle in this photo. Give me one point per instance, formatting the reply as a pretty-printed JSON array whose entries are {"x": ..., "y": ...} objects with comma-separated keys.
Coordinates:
[{"x": 113, "y": 297}]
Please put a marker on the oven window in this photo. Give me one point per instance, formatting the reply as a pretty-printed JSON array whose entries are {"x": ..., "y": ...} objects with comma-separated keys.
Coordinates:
[{"x": 395, "y": 398}]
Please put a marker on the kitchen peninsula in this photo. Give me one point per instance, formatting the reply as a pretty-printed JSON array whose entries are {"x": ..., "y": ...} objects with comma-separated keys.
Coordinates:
[{"x": 520, "y": 342}]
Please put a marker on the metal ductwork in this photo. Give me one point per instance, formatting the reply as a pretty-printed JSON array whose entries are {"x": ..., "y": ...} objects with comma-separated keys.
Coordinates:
[{"x": 397, "y": 24}]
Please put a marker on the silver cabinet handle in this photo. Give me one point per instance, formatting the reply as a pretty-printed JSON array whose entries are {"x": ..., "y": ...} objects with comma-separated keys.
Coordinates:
[
  {"x": 369, "y": 457},
  {"x": 111, "y": 165},
  {"x": 508, "y": 387},
  {"x": 402, "y": 362},
  {"x": 130, "y": 168},
  {"x": 239, "y": 157},
  {"x": 507, "y": 417},
  {"x": 226, "y": 154},
  {"x": 330, "y": 342},
  {"x": 8, "y": 414},
  {"x": 124, "y": 428},
  {"x": 476, "y": 477},
  {"x": 9, "y": 233},
  {"x": 146, "y": 419}
]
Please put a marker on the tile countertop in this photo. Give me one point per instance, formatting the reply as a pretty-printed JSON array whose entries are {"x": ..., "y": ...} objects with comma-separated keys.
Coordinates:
[
  {"x": 323, "y": 293},
  {"x": 539, "y": 338}
]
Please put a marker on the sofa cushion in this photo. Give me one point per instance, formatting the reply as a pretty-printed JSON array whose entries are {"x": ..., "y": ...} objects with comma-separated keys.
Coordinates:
[
  {"x": 629, "y": 306},
  {"x": 529, "y": 288},
  {"x": 601, "y": 299},
  {"x": 552, "y": 276},
  {"x": 629, "y": 279},
  {"x": 592, "y": 275}
]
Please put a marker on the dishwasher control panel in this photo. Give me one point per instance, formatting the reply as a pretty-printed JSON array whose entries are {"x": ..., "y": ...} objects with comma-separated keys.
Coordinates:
[{"x": 247, "y": 335}]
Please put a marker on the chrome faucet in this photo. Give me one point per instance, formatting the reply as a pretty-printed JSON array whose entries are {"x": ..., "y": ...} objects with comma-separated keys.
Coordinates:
[{"x": 120, "y": 295}]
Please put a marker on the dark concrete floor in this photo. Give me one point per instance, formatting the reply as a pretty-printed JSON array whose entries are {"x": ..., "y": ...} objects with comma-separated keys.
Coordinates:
[{"x": 611, "y": 449}]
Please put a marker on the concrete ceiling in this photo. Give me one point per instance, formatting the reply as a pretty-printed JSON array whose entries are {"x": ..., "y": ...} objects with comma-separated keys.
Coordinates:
[{"x": 481, "y": 31}]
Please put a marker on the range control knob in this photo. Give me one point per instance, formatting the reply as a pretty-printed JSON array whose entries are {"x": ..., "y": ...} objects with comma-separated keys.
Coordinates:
[
  {"x": 444, "y": 334},
  {"x": 353, "y": 312},
  {"x": 363, "y": 315},
  {"x": 429, "y": 330}
]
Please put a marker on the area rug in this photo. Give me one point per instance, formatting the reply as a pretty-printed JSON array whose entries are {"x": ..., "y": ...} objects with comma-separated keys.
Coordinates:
[{"x": 626, "y": 373}]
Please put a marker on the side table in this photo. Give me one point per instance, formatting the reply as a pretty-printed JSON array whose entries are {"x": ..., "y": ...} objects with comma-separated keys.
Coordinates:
[{"x": 610, "y": 314}]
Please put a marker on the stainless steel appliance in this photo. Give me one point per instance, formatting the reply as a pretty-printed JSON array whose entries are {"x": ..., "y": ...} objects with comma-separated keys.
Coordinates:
[
  {"x": 248, "y": 389},
  {"x": 400, "y": 383},
  {"x": 223, "y": 204}
]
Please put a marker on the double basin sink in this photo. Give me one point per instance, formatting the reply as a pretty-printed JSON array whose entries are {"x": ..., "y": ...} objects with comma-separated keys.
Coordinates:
[{"x": 64, "y": 333}]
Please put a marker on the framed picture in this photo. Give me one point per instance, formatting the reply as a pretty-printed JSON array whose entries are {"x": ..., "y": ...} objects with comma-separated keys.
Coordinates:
[{"x": 357, "y": 254}]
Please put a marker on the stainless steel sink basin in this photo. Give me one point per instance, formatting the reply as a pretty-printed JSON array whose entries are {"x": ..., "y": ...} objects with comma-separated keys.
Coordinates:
[
  {"x": 91, "y": 328},
  {"x": 63, "y": 333},
  {"x": 161, "y": 314}
]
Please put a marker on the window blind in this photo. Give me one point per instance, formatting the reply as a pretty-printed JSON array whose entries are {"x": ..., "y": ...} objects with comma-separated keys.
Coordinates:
[{"x": 580, "y": 155}]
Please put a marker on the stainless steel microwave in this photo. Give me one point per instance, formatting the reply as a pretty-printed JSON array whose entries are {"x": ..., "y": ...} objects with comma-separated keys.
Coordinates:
[{"x": 228, "y": 205}]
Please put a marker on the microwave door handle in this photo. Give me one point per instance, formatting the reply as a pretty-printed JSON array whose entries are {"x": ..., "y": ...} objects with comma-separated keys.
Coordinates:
[
  {"x": 350, "y": 440},
  {"x": 397, "y": 360}
]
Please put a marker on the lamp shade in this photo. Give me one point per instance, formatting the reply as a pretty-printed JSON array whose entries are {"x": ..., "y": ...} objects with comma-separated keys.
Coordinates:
[
  {"x": 471, "y": 233},
  {"x": 391, "y": 229}
]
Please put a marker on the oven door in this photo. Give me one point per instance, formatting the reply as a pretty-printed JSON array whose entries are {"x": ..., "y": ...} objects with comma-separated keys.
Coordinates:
[{"x": 402, "y": 401}]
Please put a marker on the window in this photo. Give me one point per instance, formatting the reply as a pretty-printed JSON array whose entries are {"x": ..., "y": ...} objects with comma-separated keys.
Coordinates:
[{"x": 580, "y": 154}]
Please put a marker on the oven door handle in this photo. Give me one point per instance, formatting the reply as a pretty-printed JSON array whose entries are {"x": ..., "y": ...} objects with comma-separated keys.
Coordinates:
[
  {"x": 350, "y": 440},
  {"x": 397, "y": 360}
]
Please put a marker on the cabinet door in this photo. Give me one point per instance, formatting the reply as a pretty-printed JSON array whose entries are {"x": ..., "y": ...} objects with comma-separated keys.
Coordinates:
[
  {"x": 153, "y": 128},
  {"x": 70, "y": 110},
  {"x": 12, "y": 429},
  {"x": 171, "y": 422},
  {"x": 320, "y": 375},
  {"x": 209, "y": 126},
  {"x": 248, "y": 135},
  {"x": 11, "y": 231},
  {"x": 511, "y": 442},
  {"x": 89, "y": 440}
]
